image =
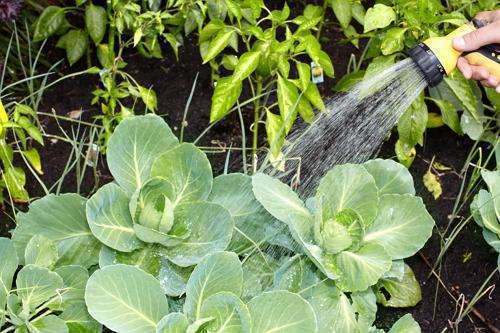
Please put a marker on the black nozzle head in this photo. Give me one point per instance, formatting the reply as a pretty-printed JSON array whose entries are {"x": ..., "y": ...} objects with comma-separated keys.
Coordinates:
[{"x": 428, "y": 63}]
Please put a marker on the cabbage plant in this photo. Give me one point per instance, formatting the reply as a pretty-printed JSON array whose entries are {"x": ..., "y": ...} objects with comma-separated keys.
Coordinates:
[
  {"x": 363, "y": 221},
  {"x": 486, "y": 209},
  {"x": 44, "y": 299},
  {"x": 126, "y": 299},
  {"x": 163, "y": 212}
]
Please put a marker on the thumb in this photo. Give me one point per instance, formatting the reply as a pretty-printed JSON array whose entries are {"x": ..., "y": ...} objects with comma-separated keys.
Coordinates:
[{"x": 488, "y": 34}]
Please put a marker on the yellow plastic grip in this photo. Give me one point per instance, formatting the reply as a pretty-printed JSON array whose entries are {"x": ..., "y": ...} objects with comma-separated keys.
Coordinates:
[
  {"x": 442, "y": 47},
  {"x": 479, "y": 59}
]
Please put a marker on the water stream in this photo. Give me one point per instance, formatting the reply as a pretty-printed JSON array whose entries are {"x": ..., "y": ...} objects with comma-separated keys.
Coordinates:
[{"x": 351, "y": 130}]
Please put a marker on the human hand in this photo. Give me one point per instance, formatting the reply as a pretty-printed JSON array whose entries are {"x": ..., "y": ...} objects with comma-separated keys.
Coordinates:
[{"x": 488, "y": 34}]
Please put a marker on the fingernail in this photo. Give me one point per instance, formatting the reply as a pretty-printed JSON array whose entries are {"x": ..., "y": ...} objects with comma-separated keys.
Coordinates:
[
  {"x": 459, "y": 43},
  {"x": 492, "y": 81}
]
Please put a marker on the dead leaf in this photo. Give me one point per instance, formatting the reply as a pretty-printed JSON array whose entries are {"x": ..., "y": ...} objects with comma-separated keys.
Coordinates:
[
  {"x": 432, "y": 183},
  {"x": 75, "y": 114},
  {"x": 440, "y": 166}
]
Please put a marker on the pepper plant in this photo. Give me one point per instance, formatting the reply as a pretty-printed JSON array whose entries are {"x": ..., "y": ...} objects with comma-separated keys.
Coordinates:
[
  {"x": 275, "y": 47},
  {"x": 18, "y": 128},
  {"x": 107, "y": 32}
]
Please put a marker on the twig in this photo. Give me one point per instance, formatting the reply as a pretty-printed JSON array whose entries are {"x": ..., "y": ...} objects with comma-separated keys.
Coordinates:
[{"x": 478, "y": 314}]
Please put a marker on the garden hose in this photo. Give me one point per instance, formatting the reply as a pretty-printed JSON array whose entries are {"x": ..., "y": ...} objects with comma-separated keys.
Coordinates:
[{"x": 436, "y": 56}]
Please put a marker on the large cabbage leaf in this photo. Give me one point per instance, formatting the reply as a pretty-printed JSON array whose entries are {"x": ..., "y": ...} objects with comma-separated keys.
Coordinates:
[
  {"x": 134, "y": 145},
  {"x": 60, "y": 218}
]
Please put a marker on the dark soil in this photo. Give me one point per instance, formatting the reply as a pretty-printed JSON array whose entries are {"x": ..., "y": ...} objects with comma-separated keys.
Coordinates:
[{"x": 173, "y": 82}]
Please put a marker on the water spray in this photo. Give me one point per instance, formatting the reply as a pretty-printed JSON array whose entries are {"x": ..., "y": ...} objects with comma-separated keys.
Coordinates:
[{"x": 436, "y": 57}]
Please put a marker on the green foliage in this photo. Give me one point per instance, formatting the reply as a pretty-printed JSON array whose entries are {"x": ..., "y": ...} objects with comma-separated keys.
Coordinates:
[
  {"x": 166, "y": 227},
  {"x": 485, "y": 209},
  {"x": 108, "y": 31},
  {"x": 42, "y": 299},
  {"x": 21, "y": 122},
  {"x": 358, "y": 225}
]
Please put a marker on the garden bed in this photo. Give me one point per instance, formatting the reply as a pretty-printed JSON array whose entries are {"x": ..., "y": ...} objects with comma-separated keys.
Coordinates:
[{"x": 468, "y": 262}]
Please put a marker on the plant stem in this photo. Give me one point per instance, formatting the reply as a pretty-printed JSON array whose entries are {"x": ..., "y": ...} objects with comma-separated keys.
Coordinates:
[
  {"x": 322, "y": 22},
  {"x": 256, "y": 118}
]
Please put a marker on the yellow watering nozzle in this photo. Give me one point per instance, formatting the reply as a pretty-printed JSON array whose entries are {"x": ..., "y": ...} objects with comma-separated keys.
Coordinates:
[{"x": 436, "y": 56}]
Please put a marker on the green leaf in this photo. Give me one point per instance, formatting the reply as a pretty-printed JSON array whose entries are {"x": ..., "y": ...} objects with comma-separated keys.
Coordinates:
[
  {"x": 449, "y": 114},
  {"x": 405, "y": 324},
  {"x": 174, "y": 322},
  {"x": 75, "y": 42},
  {"x": 275, "y": 130},
  {"x": 361, "y": 269},
  {"x": 48, "y": 324},
  {"x": 281, "y": 312},
  {"x": 120, "y": 291},
  {"x": 36, "y": 285},
  {"x": 229, "y": 314},
  {"x": 225, "y": 95},
  {"x": 403, "y": 293},
  {"x": 133, "y": 147},
  {"x": 78, "y": 319},
  {"x": 313, "y": 95},
  {"x": 8, "y": 266},
  {"x": 188, "y": 170},
  {"x": 105, "y": 56},
  {"x": 109, "y": 218},
  {"x": 287, "y": 102},
  {"x": 173, "y": 278},
  {"x": 48, "y": 23},
  {"x": 74, "y": 282},
  {"x": 342, "y": 10},
  {"x": 333, "y": 310},
  {"x": 296, "y": 275},
  {"x": 33, "y": 158},
  {"x": 279, "y": 199},
  {"x": 247, "y": 64},
  {"x": 492, "y": 179},
  {"x": 95, "y": 21},
  {"x": 358, "y": 12},
  {"x": 218, "y": 272},
  {"x": 484, "y": 206},
  {"x": 14, "y": 179},
  {"x": 348, "y": 81},
  {"x": 41, "y": 251},
  {"x": 151, "y": 205},
  {"x": 218, "y": 43},
  {"x": 326, "y": 63},
  {"x": 210, "y": 227},
  {"x": 405, "y": 153},
  {"x": 390, "y": 177},
  {"x": 149, "y": 98},
  {"x": 378, "y": 65},
  {"x": 379, "y": 16},
  {"x": 62, "y": 220},
  {"x": 412, "y": 124},
  {"x": 348, "y": 186},
  {"x": 402, "y": 225},
  {"x": 251, "y": 220},
  {"x": 365, "y": 305},
  {"x": 464, "y": 93},
  {"x": 393, "y": 40}
]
